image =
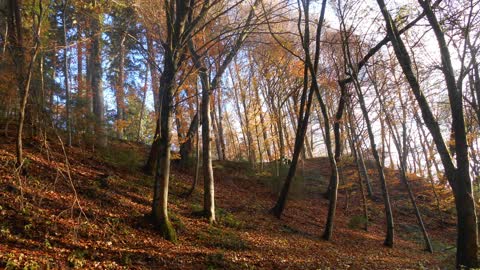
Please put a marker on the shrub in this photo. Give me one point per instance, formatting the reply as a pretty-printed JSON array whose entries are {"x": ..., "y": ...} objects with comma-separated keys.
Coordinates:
[
  {"x": 215, "y": 237},
  {"x": 357, "y": 222},
  {"x": 227, "y": 219}
]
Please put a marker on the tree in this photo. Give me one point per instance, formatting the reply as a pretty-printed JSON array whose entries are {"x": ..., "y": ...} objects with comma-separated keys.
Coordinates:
[
  {"x": 24, "y": 72},
  {"x": 310, "y": 69},
  {"x": 208, "y": 86},
  {"x": 96, "y": 76},
  {"x": 181, "y": 21},
  {"x": 458, "y": 176},
  {"x": 66, "y": 73},
  {"x": 400, "y": 143}
]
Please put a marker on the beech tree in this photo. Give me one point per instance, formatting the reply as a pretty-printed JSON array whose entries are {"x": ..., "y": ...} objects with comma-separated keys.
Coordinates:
[
  {"x": 458, "y": 175},
  {"x": 386, "y": 93},
  {"x": 20, "y": 54},
  {"x": 208, "y": 86},
  {"x": 182, "y": 20}
]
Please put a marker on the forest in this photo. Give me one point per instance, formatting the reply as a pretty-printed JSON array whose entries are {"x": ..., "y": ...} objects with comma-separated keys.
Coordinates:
[{"x": 239, "y": 134}]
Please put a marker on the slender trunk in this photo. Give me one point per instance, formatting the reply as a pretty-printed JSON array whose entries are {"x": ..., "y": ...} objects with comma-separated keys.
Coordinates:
[
  {"x": 208, "y": 180},
  {"x": 178, "y": 110},
  {"x": 304, "y": 114},
  {"x": 403, "y": 177},
  {"x": 288, "y": 140},
  {"x": 5, "y": 36},
  {"x": 360, "y": 180},
  {"x": 251, "y": 149},
  {"x": 383, "y": 135},
  {"x": 154, "y": 73},
  {"x": 361, "y": 161},
  {"x": 238, "y": 111},
  {"x": 23, "y": 79},
  {"x": 308, "y": 148},
  {"x": 266, "y": 143},
  {"x": 88, "y": 83},
  {"x": 280, "y": 204},
  {"x": 332, "y": 157},
  {"x": 120, "y": 92},
  {"x": 234, "y": 140},
  {"x": 155, "y": 148},
  {"x": 186, "y": 147},
  {"x": 390, "y": 156},
  {"x": 259, "y": 147},
  {"x": 402, "y": 150},
  {"x": 386, "y": 198},
  {"x": 214, "y": 121},
  {"x": 142, "y": 108},
  {"x": 80, "y": 86},
  {"x": 458, "y": 177},
  {"x": 221, "y": 136},
  {"x": 336, "y": 131},
  {"x": 66, "y": 75},
  {"x": 428, "y": 160},
  {"x": 197, "y": 148},
  {"x": 281, "y": 139},
  {"x": 157, "y": 91}
]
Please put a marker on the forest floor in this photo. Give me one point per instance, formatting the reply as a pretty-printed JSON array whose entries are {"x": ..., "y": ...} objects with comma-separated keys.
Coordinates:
[{"x": 90, "y": 214}]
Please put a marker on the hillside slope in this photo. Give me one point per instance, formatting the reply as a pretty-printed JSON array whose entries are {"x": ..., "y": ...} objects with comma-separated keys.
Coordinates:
[{"x": 91, "y": 214}]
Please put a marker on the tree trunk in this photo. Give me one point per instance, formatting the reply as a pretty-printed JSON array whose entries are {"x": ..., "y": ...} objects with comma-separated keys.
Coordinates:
[
  {"x": 80, "y": 85},
  {"x": 154, "y": 73},
  {"x": 386, "y": 198},
  {"x": 251, "y": 149},
  {"x": 162, "y": 175},
  {"x": 96, "y": 83},
  {"x": 360, "y": 180},
  {"x": 361, "y": 162},
  {"x": 402, "y": 150},
  {"x": 458, "y": 177},
  {"x": 221, "y": 136},
  {"x": 24, "y": 76},
  {"x": 266, "y": 143},
  {"x": 142, "y": 108},
  {"x": 334, "y": 158},
  {"x": 423, "y": 142},
  {"x": 119, "y": 85},
  {"x": 186, "y": 147},
  {"x": 304, "y": 114},
  {"x": 214, "y": 121},
  {"x": 208, "y": 181},
  {"x": 66, "y": 75},
  {"x": 197, "y": 147}
]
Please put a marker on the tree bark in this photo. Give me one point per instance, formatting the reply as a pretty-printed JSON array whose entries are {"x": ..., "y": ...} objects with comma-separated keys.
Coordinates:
[
  {"x": 24, "y": 77},
  {"x": 221, "y": 136},
  {"x": 66, "y": 75},
  {"x": 96, "y": 83},
  {"x": 186, "y": 147},
  {"x": 119, "y": 85},
  {"x": 162, "y": 175}
]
